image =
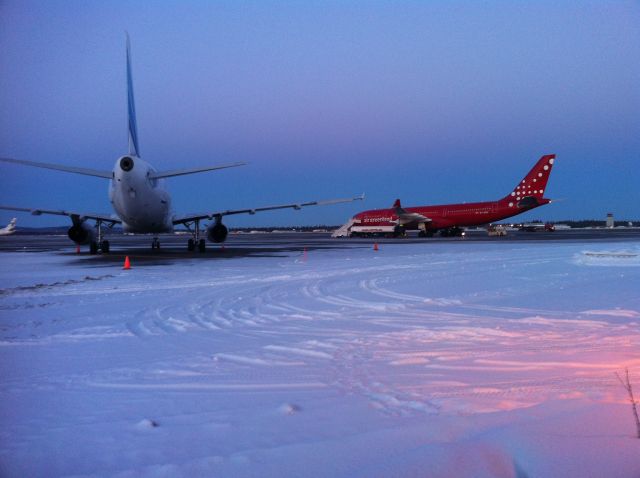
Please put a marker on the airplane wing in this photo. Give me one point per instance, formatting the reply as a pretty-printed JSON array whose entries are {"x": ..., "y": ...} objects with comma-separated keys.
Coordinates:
[
  {"x": 210, "y": 215},
  {"x": 76, "y": 216},
  {"x": 406, "y": 217},
  {"x": 58, "y": 167},
  {"x": 411, "y": 217}
]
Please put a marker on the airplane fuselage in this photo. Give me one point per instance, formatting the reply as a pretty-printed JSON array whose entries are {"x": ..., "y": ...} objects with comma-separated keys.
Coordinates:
[
  {"x": 141, "y": 202},
  {"x": 446, "y": 215}
]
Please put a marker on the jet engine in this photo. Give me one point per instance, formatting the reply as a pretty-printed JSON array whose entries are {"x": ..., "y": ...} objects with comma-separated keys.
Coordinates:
[
  {"x": 217, "y": 232},
  {"x": 81, "y": 233}
]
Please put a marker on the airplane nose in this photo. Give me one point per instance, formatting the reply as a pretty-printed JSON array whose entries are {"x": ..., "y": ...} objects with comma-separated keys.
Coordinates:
[{"x": 126, "y": 163}]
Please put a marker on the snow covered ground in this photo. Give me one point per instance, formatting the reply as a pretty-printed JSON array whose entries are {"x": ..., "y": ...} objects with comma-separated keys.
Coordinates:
[{"x": 434, "y": 359}]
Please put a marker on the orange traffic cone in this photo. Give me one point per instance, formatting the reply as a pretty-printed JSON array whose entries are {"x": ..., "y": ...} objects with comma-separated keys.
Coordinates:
[
  {"x": 127, "y": 263},
  {"x": 375, "y": 246}
]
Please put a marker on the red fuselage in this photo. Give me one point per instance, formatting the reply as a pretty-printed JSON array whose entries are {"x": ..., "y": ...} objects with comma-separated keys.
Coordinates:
[{"x": 447, "y": 215}]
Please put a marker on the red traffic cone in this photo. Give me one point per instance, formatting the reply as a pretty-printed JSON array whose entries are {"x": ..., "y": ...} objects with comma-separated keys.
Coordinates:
[
  {"x": 375, "y": 246},
  {"x": 127, "y": 264},
  {"x": 78, "y": 249}
]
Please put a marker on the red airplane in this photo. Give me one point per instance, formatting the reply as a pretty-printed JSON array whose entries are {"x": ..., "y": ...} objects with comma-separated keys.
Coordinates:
[{"x": 449, "y": 219}]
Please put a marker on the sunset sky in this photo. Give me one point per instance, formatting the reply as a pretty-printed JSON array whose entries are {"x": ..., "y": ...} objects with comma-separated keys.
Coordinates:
[{"x": 430, "y": 102}]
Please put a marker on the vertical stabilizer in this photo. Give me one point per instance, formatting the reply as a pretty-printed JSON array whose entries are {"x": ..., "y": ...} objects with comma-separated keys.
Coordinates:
[
  {"x": 131, "y": 107},
  {"x": 534, "y": 183}
]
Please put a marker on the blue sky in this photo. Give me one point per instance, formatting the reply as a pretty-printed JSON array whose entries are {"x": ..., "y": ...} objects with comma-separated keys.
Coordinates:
[{"x": 431, "y": 102}]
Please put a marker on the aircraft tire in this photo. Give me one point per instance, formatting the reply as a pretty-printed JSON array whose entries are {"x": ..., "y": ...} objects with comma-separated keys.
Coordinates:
[
  {"x": 191, "y": 245},
  {"x": 201, "y": 245},
  {"x": 104, "y": 247},
  {"x": 398, "y": 231},
  {"x": 93, "y": 247}
]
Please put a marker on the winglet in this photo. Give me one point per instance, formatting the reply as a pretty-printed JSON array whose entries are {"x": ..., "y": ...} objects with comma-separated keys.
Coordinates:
[{"x": 131, "y": 106}]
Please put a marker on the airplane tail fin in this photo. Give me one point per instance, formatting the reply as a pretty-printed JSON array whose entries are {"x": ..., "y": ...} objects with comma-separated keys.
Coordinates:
[
  {"x": 9, "y": 228},
  {"x": 534, "y": 184},
  {"x": 134, "y": 149}
]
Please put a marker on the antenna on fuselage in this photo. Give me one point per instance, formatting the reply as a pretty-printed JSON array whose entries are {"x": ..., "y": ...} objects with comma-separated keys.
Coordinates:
[{"x": 134, "y": 150}]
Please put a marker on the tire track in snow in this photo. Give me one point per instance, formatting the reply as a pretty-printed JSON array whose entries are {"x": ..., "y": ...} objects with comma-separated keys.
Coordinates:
[{"x": 381, "y": 332}]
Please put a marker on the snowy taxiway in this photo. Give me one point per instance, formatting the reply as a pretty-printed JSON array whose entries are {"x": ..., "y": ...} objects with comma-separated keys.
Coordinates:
[{"x": 420, "y": 359}]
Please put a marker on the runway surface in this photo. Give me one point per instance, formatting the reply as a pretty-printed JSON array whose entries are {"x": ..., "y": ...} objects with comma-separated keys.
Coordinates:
[{"x": 276, "y": 244}]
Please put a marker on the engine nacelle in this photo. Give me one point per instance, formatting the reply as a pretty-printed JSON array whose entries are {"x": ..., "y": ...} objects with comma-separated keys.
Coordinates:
[
  {"x": 81, "y": 234},
  {"x": 217, "y": 232}
]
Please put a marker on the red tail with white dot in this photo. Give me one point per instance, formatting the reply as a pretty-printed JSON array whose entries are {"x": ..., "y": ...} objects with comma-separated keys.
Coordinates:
[{"x": 533, "y": 185}]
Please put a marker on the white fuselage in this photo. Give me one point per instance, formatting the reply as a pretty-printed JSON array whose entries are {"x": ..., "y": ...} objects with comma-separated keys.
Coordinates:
[{"x": 142, "y": 203}]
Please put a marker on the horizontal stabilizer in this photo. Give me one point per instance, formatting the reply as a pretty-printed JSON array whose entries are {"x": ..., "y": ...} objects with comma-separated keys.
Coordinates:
[
  {"x": 182, "y": 172},
  {"x": 58, "y": 167}
]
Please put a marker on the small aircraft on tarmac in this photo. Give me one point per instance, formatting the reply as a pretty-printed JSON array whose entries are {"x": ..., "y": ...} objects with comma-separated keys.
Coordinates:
[
  {"x": 449, "y": 219},
  {"x": 139, "y": 199},
  {"x": 9, "y": 229}
]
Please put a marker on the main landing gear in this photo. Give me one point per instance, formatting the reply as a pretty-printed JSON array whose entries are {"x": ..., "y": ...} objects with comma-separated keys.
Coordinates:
[
  {"x": 99, "y": 245},
  {"x": 399, "y": 231},
  {"x": 155, "y": 244},
  {"x": 452, "y": 232},
  {"x": 191, "y": 245},
  {"x": 196, "y": 240},
  {"x": 102, "y": 246}
]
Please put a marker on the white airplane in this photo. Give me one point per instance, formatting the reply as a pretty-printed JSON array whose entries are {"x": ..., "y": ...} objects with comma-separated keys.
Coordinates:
[
  {"x": 139, "y": 199},
  {"x": 9, "y": 229}
]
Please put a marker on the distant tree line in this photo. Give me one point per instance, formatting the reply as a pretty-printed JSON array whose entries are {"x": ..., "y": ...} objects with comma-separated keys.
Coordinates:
[{"x": 594, "y": 223}]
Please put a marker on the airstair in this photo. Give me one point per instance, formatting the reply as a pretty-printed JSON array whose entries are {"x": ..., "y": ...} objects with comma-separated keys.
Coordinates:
[{"x": 344, "y": 231}]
